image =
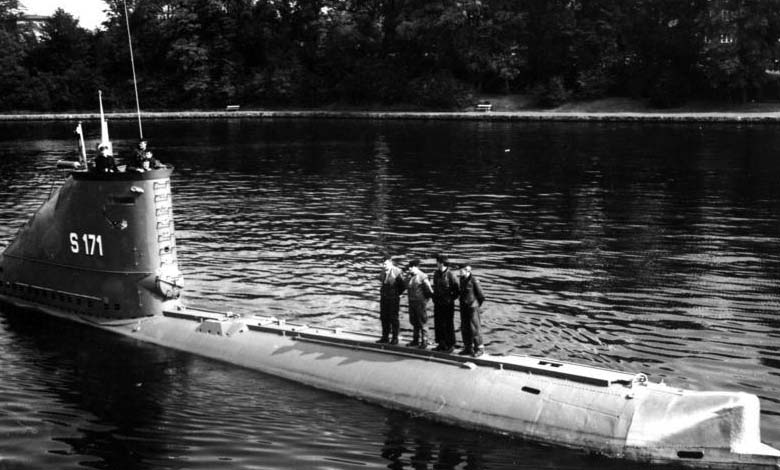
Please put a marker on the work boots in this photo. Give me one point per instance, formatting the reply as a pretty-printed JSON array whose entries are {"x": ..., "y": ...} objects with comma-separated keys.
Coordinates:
[
  {"x": 384, "y": 337},
  {"x": 415, "y": 339},
  {"x": 423, "y": 340}
]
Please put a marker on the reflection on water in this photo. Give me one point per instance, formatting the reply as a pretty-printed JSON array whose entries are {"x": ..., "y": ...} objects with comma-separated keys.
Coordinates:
[{"x": 636, "y": 247}]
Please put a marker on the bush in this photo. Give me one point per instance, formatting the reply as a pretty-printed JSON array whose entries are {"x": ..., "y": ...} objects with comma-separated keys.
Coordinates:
[
  {"x": 669, "y": 89},
  {"x": 441, "y": 91},
  {"x": 593, "y": 83},
  {"x": 552, "y": 93}
]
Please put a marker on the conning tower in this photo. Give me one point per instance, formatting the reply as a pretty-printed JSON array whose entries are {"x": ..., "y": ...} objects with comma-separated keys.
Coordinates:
[{"x": 102, "y": 245}]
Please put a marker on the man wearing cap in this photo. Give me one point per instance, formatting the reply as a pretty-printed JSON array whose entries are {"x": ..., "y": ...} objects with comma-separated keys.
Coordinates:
[
  {"x": 471, "y": 300},
  {"x": 392, "y": 286},
  {"x": 445, "y": 291},
  {"x": 104, "y": 161},
  {"x": 419, "y": 290}
]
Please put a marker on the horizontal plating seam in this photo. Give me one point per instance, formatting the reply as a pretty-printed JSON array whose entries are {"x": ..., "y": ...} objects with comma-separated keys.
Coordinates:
[{"x": 79, "y": 268}]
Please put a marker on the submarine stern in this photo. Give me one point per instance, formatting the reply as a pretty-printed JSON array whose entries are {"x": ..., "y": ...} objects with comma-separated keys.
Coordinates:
[{"x": 102, "y": 245}]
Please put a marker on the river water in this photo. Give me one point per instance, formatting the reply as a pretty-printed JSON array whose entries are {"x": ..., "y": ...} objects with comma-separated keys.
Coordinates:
[{"x": 648, "y": 248}]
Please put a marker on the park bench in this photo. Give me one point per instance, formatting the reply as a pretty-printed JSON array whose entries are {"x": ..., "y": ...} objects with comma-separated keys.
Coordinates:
[
  {"x": 232, "y": 107},
  {"x": 484, "y": 107}
]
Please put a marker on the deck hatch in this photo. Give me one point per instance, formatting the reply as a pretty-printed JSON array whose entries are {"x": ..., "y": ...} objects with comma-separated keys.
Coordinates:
[
  {"x": 550, "y": 364},
  {"x": 690, "y": 454},
  {"x": 122, "y": 200}
]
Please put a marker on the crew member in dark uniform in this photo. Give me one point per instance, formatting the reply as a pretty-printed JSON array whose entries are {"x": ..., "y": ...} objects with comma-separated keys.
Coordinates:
[
  {"x": 104, "y": 161},
  {"x": 471, "y": 299},
  {"x": 140, "y": 153},
  {"x": 445, "y": 291},
  {"x": 143, "y": 160},
  {"x": 419, "y": 290},
  {"x": 393, "y": 286}
]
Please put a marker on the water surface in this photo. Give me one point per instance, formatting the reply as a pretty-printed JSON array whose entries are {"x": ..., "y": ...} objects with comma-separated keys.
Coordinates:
[{"x": 639, "y": 247}]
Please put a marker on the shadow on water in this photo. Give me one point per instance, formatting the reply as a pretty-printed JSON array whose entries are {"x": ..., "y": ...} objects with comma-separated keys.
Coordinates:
[
  {"x": 84, "y": 390},
  {"x": 412, "y": 443}
]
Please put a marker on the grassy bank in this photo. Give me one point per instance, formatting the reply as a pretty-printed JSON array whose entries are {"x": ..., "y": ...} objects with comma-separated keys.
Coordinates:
[{"x": 504, "y": 109}]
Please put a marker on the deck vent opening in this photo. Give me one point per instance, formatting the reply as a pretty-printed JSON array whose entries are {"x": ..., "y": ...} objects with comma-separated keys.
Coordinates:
[
  {"x": 531, "y": 390},
  {"x": 551, "y": 364},
  {"x": 122, "y": 200},
  {"x": 690, "y": 454}
]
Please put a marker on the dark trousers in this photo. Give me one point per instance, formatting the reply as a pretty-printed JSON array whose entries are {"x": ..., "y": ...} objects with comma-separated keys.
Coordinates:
[
  {"x": 418, "y": 317},
  {"x": 469, "y": 327},
  {"x": 444, "y": 324},
  {"x": 388, "y": 315}
]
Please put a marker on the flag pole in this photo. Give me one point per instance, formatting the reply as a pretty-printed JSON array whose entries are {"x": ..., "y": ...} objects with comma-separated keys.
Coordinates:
[
  {"x": 82, "y": 147},
  {"x": 105, "y": 141},
  {"x": 132, "y": 64}
]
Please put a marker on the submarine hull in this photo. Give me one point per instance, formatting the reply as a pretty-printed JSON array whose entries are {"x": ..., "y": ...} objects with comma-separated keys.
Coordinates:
[{"x": 595, "y": 410}]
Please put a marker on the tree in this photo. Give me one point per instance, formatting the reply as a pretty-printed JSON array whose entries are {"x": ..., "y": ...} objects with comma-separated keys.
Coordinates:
[
  {"x": 61, "y": 62},
  {"x": 13, "y": 74},
  {"x": 740, "y": 43},
  {"x": 9, "y": 12}
]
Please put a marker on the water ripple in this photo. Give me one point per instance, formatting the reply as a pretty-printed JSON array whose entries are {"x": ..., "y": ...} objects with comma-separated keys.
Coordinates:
[{"x": 642, "y": 248}]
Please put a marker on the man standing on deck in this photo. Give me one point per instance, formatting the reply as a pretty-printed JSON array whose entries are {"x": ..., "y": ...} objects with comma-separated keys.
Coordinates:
[
  {"x": 471, "y": 299},
  {"x": 390, "y": 292},
  {"x": 445, "y": 291},
  {"x": 419, "y": 290}
]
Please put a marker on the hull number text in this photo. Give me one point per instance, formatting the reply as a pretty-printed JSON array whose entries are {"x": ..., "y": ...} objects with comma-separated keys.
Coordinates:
[{"x": 89, "y": 244}]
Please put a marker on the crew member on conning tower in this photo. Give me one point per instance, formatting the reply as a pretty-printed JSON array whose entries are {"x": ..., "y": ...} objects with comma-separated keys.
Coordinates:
[
  {"x": 143, "y": 160},
  {"x": 104, "y": 161}
]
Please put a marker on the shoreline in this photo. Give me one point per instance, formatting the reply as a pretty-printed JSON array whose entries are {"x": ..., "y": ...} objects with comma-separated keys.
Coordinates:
[{"x": 564, "y": 116}]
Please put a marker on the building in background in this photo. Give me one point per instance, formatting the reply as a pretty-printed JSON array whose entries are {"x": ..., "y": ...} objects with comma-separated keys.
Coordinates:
[{"x": 31, "y": 26}]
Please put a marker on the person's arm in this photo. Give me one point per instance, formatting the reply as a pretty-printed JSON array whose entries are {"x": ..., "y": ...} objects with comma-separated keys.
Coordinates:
[
  {"x": 400, "y": 284},
  {"x": 478, "y": 291},
  {"x": 454, "y": 285},
  {"x": 427, "y": 288}
]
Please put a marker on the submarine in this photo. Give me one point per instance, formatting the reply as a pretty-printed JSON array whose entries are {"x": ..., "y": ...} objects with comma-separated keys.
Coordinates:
[{"x": 101, "y": 251}]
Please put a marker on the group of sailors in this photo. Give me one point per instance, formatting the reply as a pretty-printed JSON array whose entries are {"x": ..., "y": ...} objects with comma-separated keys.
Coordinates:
[
  {"x": 142, "y": 159},
  {"x": 447, "y": 287}
]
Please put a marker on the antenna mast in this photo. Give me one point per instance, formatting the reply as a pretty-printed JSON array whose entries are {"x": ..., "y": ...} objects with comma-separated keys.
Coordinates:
[{"x": 132, "y": 63}]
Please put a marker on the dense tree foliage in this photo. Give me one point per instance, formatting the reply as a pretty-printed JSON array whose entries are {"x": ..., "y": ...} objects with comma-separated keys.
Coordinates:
[{"x": 413, "y": 53}]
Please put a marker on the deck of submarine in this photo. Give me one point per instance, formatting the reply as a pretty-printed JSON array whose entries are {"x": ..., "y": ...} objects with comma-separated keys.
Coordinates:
[{"x": 224, "y": 322}]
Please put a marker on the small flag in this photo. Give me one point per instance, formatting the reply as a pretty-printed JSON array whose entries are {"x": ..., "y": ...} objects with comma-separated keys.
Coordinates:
[{"x": 82, "y": 148}]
